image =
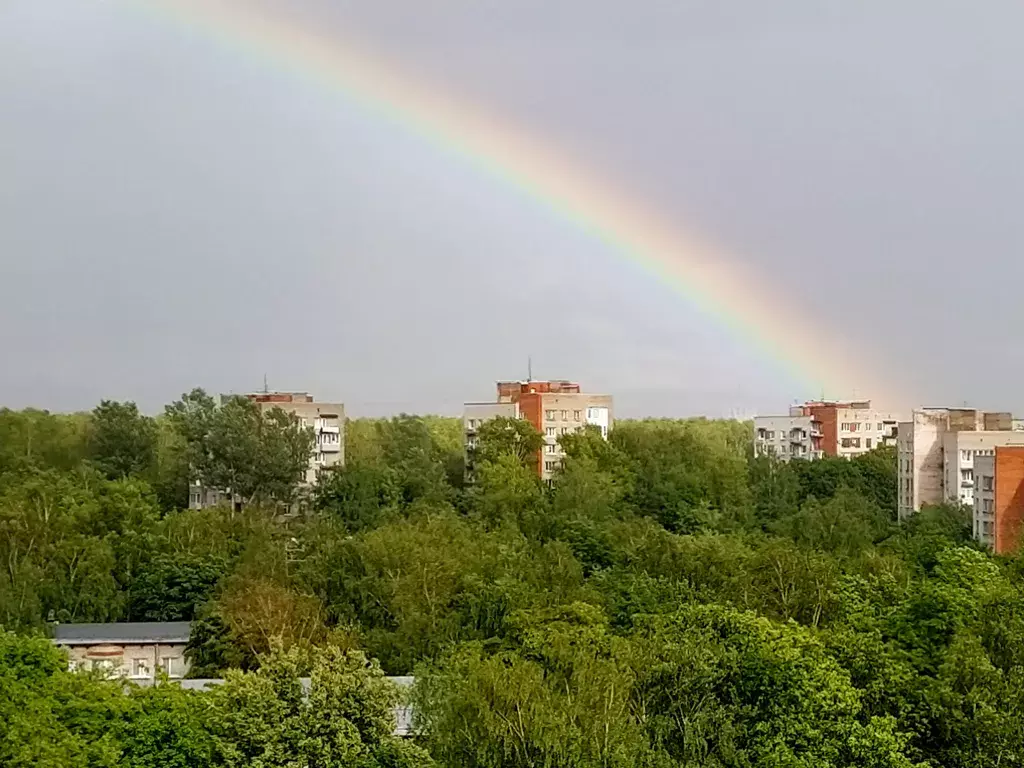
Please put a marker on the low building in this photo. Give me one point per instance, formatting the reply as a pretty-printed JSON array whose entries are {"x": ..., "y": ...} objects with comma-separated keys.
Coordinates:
[
  {"x": 999, "y": 499},
  {"x": 135, "y": 650},
  {"x": 554, "y": 408}
]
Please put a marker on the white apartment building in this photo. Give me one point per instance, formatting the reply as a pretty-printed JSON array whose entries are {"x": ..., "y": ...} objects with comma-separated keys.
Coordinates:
[
  {"x": 787, "y": 437},
  {"x": 923, "y": 473},
  {"x": 960, "y": 450},
  {"x": 863, "y": 429}
]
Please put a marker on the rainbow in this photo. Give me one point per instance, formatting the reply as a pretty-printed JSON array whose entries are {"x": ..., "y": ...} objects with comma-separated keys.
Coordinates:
[{"x": 704, "y": 275}]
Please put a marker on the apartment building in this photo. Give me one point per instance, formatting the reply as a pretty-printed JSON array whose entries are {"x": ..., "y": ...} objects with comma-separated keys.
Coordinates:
[
  {"x": 825, "y": 428},
  {"x": 960, "y": 451},
  {"x": 924, "y": 475},
  {"x": 999, "y": 498},
  {"x": 787, "y": 437},
  {"x": 554, "y": 408},
  {"x": 326, "y": 420}
]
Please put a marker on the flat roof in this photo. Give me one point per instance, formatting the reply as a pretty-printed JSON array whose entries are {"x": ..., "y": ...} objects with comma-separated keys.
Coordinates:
[{"x": 126, "y": 632}]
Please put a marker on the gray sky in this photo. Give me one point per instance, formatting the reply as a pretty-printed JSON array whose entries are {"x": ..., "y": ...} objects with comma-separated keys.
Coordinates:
[{"x": 175, "y": 214}]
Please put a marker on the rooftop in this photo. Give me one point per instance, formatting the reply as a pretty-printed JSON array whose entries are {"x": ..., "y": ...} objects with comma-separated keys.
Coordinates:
[{"x": 128, "y": 632}]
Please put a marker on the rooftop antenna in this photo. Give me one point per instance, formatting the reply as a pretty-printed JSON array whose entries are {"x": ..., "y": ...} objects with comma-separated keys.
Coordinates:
[
  {"x": 529, "y": 368},
  {"x": 265, "y": 389}
]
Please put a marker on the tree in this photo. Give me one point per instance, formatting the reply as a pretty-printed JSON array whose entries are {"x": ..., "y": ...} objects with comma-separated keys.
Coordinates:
[
  {"x": 360, "y": 495},
  {"x": 40, "y": 439},
  {"x": 259, "y": 455},
  {"x": 503, "y": 436},
  {"x": 122, "y": 442},
  {"x": 264, "y": 718},
  {"x": 505, "y": 490},
  {"x": 49, "y": 717}
]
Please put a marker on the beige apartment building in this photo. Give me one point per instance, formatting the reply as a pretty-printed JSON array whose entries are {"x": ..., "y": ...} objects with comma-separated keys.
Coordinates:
[
  {"x": 925, "y": 475},
  {"x": 554, "y": 408},
  {"x": 326, "y": 420}
]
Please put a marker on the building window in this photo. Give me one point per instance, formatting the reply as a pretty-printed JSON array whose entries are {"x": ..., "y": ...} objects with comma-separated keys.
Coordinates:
[
  {"x": 576, "y": 415},
  {"x": 550, "y": 466},
  {"x": 552, "y": 448},
  {"x": 549, "y": 431},
  {"x": 104, "y": 666},
  {"x": 986, "y": 482},
  {"x": 565, "y": 430},
  {"x": 565, "y": 415},
  {"x": 868, "y": 442},
  {"x": 549, "y": 415},
  {"x": 171, "y": 665},
  {"x": 140, "y": 668}
]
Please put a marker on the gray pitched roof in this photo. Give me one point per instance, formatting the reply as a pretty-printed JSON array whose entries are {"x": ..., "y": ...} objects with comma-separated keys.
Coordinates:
[{"x": 133, "y": 632}]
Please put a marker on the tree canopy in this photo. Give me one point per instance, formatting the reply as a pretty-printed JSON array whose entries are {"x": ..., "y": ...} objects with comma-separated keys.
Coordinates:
[{"x": 668, "y": 601}]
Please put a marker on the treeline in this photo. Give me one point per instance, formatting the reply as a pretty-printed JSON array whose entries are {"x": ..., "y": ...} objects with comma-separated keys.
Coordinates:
[{"x": 669, "y": 601}]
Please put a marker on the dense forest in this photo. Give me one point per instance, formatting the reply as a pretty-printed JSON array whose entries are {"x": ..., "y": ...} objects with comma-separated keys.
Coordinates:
[{"x": 669, "y": 600}]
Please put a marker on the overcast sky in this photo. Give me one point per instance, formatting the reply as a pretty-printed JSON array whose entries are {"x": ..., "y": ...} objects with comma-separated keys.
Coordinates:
[{"x": 175, "y": 214}]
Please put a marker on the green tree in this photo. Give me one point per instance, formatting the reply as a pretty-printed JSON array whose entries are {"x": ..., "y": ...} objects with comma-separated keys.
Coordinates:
[
  {"x": 40, "y": 439},
  {"x": 503, "y": 436},
  {"x": 360, "y": 495},
  {"x": 260, "y": 455},
  {"x": 122, "y": 442},
  {"x": 264, "y": 718}
]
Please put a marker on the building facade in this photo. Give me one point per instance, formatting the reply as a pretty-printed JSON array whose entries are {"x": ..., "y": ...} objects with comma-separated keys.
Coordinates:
[
  {"x": 922, "y": 468},
  {"x": 820, "y": 428},
  {"x": 999, "y": 499},
  {"x": 960, "y": 450},
  {"x": 133, "y": 650},
  {"x": 787, "y": 437},
  {"x": 554, "y": 408},
  {"x": 326, "y": 420}
]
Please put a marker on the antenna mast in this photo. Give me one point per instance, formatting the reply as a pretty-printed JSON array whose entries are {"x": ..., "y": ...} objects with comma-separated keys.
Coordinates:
[{"x": 529, "y": 368}]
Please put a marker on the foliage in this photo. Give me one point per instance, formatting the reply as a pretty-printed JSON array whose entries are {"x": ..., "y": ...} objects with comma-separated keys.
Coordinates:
[
  {"x": 122, "y": 442},
  {"x": 669, "y": 600}
]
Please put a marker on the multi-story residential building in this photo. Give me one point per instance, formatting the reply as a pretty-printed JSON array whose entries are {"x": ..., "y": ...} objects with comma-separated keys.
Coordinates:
[
  {"x": 921, "y": 453},
  {"x": 326, "y": 420},
  {"x": 825, "y": 428},
  {"x": 788, "y": 437},
  {"x": 960, "y": 450},
  {"x": 999, "y": 498},
  {"x": 554, "y": 408}
]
